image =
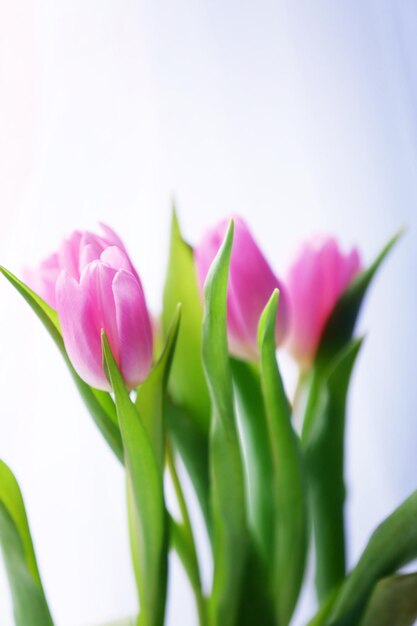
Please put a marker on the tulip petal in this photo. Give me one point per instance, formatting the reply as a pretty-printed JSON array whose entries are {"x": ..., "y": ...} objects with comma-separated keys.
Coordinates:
[
  {"x": 82, "y": 339},
  {"x": 91, "y": 247},
  {"x": 97, "y": 280},
  {"x": 42, "y": 280},
  {"x": 68, "y": 254},
  {"x": 118, "y": 259},
  {"x": 134, "y": 329},
  {"x": 315, "y": 281},
  {"x": 251, "y": 284},
  {"x": 111, "y": 237}
]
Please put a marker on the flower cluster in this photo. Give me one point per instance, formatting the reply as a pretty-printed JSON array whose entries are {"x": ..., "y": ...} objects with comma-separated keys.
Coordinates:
[
  {"x": 94, "y": 286},
  {"x": 203, "y": 383}
]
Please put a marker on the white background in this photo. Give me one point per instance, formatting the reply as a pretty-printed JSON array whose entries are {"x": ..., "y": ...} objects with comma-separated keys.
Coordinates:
[{"x": 299, "y": 115}]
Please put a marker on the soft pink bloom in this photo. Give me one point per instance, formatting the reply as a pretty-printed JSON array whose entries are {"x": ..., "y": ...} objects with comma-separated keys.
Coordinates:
[
  {"x": 93, "y": 285},
  {"x": 73, "y": 255},
  {"x": 317, "y": 277},
  {"x": 251, "y": 284},
  {"x": 107, "y": 296}
]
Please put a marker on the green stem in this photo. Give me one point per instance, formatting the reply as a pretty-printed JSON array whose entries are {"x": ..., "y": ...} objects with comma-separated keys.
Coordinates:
[{"x": 193, "y": 568}]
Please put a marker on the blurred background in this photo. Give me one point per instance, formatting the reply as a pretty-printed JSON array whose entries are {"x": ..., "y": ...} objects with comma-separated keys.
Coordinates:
[{"x": 299, "y": 115}]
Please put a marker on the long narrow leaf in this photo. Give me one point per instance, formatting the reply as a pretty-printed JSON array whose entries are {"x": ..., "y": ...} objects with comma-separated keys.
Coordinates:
[
  {"x": 151, "y": 395},
  {"x": 29, "y": 602},
  {"x": 325, "y": 459},
  {"x": 257, "y": 456},
  {"x": 99, "y": 403},
  {"x": 324, "y": 454},
  {"x": 146, "y": 479},
  {"x": 187, "y": 384},
  {"x": 228, "y": 505},
  {"x": 392, "y": 545},
  {"x": 290, "y": 537},
  {"x": 192, "y": 446}
]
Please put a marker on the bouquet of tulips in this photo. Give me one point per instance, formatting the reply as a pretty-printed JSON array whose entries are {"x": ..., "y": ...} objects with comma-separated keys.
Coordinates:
[{"x": 202, "y": 386}]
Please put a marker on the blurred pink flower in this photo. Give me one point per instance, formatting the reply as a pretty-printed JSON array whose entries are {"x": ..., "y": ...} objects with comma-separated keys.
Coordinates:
[
  {"x": 74, "y": 253},
  {"x": 251, "y": 284},
  {"x": 317, "y": 277}
]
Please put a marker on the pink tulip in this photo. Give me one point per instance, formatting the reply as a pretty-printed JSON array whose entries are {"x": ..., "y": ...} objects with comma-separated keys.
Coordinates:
[
  {"x": 73, "y": 255},
  {"x": 108, "y": 296},
  {"x": 93, "y": 285},
  {"x": 317, "y": 277},
  {"x": 251, "y": 284}
]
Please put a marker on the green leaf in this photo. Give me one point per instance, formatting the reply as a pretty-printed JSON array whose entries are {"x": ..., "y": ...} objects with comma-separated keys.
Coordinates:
[
  {"x": 393, "y": 601},
  {"x": 324, "y": 455},
  {"x": 187, "y": 384},
  {"x": 256, "y": 604},
  {"x": 257, "y": 455},
  {"x": 99, "y": 403},
  {"x": 151, "y": 395},
  {"x": 228, "y": 504},
  {"x": 326, "y": 472},
  {"x": 192, "y": 446},
  {"x": 29, "y": 602},
  {"x": 179, "y": 541},
  {"x": 340, "y": 326},
  {"x": 392, "y": 545},
  {"x": 320, "y": 618},
  {"x": 145, "y": 479},
  {"x": 289, "y": 549}
]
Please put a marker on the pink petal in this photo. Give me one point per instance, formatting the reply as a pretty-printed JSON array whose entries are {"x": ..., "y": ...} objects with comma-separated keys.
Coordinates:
[
  {"x": 81, "y": 336},
  {"x": 97, "y": 280},
  {"x": 42, "y": 280},
  {"x": 134, "y": 329},
  {"x": 118, "y": 259}
]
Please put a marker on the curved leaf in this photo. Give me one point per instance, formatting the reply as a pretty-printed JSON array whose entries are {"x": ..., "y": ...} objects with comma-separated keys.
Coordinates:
[
  {"x": 324, "y": 454},
  {"x": 289, "y": 548},
  {"x": 340, "y": 326},
  {"x": 257, "y": 456},
  {"x": 29, "y": 602},
  {"x": 151, "y": 395},
  {"x": 392, "y": 545},
  {"x": 393, "y": 601},
  {"x": 187, "y": 384},
  {"x": 145, "y": 481},
  {"x": 99, "y": 403},
  {"x": 228, "y": 504},
  {"x": 192, "y": 446}
]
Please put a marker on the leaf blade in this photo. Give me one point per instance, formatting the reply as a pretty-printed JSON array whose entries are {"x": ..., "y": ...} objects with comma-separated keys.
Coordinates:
[
  {"x": 291, "y": 526},
  {"x": 392, "y": 545},
  {"x": 227, "y": 496},
  {"x": 393, "y": 601},
  {"x": 323, "y": 446},
  {"x": 98, "y": 402},
  {"x": 29, "y": 601},
  {"x": 257, "y": 456},
  {"x": 145, "y": 474},
  {"x": 187, "y": 383},
  {"x": 340, "y": 326}
]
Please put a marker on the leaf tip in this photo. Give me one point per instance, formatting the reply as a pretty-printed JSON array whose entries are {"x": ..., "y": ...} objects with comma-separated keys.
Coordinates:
[{"x": 266, "y": 326}]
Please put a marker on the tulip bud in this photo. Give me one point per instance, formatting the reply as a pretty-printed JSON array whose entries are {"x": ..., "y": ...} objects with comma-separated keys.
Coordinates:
[
  {"x": 73, "y": 255},
  {"x": 108, "y": 296},
  {"x": 251, "y": 284},
  {"x": 317, "y": 277}
]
